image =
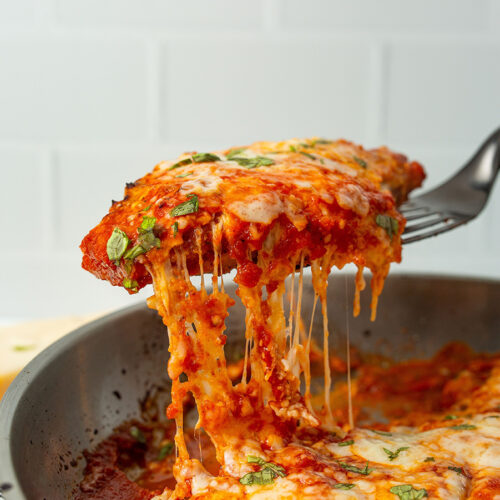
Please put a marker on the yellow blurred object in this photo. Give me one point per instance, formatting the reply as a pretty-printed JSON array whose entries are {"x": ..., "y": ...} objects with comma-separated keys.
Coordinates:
[{"x": 20, "y": 343}]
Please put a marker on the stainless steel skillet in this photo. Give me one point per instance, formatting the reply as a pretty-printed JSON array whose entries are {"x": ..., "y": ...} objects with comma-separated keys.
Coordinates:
[{"x": 75, "y": 392}]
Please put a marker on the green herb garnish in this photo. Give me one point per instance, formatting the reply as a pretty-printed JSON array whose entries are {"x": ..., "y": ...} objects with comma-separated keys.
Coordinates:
[
  {"x": 408, "y": 492},
  {"x": 147, "y": 224},
  {"x": 450, "y": 417},
  {"x": 204, "y": 157},
  {"x": 189, "y": 206},
  {"x": 134, "y": 252},
  {"x": 346, "y": 443},
  {"x": 360, "y": 161},
  {"x": 181, "y": 163},
  {"x": 381, "y": 433},
  {"x": 137, "y": 434},
  {"x": 308, "y": 155},
  {"x": 390, "y": 224},
  {"x": 430, "y": 459},
  {"x": 458, "y": 470},
  {"x": 293, "y": 149},
  {"x": 357, "y": 470},
  {"x": 258, "y": 161},
  {"x": 116, "y": 245},
  {"x": 266, "y": 475},
  {"x": 322, "y": 141},
  {"x": 146, "y": 240},
  {"x": 344, "y": 486},
  {"x": 463, "y": 427},
  {"x": 395, "y": 454},
  {"x": 176, "y": 228},
  {"x": 165, "y": 450},
  {"x": 184, "y": 175},
  {"x": 234, "y": 152},
  {"x": 20, "y": 348},
  {"x": 196, "y": 158},
  {"x": 130, "y": 284}
]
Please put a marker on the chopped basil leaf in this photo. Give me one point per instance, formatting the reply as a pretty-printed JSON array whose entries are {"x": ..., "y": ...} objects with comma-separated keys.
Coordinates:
[
  {"x": 134, "y": 252},
  {"x": 344, "y": 486},
  {"x": 308, "y": 155},
  {"x": 458, "y": 470},
  {"x": 305, "y": 145},
  {"x": 278, "y": 469},
  {"x": 165, "y": 450},
  {"x": 463, "y": 427},
  {"x": 430, "y": 459},
  {"x": 322, "y": 141},
  {"x": 147, "y": 224},
  {"x": 116, "y": 245},
  {"x": 395, "y": 454},
  {"x": 176, "y": 228},
  {"x": 381, "y": 433},
  {"x": 450, "y": 417},
  {"x": 181, "y": 163},
  {"x": 146, "y": 240},
  {"x": 258, "y": 161},
  {"x": 360, "y": 161},
  {"x": 234, "y": 152},
  {"x": 390, "y": 224},
  {"x": 357, "y": 470},
  {"x": 184, "y": 175},
  {"x": 189, "y": 206},
  {"x": 131, "y": 284},
  {"x": 408, "y": 492},
  {"x": 293, "y": 149},
  {"x": 205, "y": 157},
  {"x": 137, "y": 434},
  {"x": 127, "y": 264},
  {"x": 346, "y": 443},
  {"x": 146, "y": 209},
  {"x": 20, "y": 348},
  {"x": 266, "y": 475}
]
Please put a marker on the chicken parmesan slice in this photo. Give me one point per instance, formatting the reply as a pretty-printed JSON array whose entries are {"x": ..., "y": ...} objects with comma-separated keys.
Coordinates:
[
  {"x": 266, "y": 210},
  {"x": 313, "y": 194}
]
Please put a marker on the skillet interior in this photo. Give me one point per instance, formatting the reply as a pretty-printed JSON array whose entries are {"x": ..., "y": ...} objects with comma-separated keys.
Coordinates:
[{"x": 75, "y": 392}]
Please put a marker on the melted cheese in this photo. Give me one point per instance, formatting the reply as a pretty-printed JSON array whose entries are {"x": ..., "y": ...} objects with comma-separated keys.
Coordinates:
[
  {"x": 309, "y": 203},
  {"x": 263, "y": 208}
]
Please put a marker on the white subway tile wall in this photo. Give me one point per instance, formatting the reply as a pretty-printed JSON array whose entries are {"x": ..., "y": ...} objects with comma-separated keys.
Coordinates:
[{"x": 94, "y": 93}]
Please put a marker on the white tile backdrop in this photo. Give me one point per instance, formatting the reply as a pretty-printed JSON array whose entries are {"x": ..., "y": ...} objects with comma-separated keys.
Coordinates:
[{"x": 93, "y": 93}]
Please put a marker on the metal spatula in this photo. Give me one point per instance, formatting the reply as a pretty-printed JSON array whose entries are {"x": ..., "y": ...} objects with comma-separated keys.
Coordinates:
[{"x": 456, "y": 201}]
